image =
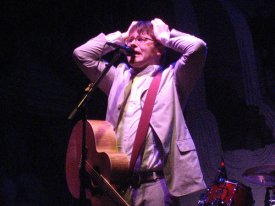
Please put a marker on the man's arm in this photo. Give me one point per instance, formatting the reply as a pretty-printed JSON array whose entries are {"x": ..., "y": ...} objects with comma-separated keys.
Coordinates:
[{"x": 188, "y": 68}]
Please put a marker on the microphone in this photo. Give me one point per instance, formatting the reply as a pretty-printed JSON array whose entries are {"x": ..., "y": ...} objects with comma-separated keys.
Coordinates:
[{"x": 128, "y": 51}]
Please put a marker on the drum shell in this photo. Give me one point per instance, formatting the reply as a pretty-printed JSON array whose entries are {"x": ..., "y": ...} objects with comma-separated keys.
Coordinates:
[{"x": 229, "y": 193}]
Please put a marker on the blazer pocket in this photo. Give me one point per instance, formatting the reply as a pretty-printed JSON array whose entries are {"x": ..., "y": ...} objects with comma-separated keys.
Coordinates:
[{"x": 186, "y": 145}]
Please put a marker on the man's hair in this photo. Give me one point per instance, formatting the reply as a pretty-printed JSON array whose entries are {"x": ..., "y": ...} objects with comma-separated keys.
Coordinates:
[
  {"x": 146, "y": 27},
  {"x": 143, "y": 27}
]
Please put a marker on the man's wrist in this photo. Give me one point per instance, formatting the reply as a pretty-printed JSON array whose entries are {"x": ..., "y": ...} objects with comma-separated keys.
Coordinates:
[
  {"x": 164, "y": 38},
  {"x": 115, "y": 37}
]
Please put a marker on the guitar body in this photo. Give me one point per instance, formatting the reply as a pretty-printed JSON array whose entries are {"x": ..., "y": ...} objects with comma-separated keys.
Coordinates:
[{"x": 105, "y": 166}]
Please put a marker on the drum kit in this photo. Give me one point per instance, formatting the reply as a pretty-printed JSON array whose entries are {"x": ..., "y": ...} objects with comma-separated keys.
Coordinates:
[{"x": 226, "y": 192}]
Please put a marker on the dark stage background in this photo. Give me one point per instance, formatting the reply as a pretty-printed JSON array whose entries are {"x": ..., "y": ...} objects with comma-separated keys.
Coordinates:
[{"x": 40, "y": 84}]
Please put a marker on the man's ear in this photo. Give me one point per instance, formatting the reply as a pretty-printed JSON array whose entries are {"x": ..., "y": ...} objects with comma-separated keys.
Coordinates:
[{"x": 160, "y": 49}]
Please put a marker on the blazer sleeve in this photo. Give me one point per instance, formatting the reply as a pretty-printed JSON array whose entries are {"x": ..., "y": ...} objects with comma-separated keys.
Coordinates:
[
  {"x": 188, "y": 68},
  {"x": 88, "y": 58}
]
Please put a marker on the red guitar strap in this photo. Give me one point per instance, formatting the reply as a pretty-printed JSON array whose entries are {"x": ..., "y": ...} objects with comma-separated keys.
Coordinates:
[{"x": 145, "y": 119}]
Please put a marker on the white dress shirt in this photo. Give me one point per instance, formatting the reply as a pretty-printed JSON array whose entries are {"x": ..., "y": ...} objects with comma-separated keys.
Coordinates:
[{"x": 152, "y": 157}]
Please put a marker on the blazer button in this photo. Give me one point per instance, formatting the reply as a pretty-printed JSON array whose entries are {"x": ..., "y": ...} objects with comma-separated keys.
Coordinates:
[{"x": 119, "y": 107}]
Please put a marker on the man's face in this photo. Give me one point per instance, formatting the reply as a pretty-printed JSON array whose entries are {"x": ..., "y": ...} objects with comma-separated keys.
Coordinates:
[{"x": 146, "y": 53}]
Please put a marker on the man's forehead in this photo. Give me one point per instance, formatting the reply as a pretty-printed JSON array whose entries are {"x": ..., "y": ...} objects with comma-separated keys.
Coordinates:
[{"x": 137, "y": 33}]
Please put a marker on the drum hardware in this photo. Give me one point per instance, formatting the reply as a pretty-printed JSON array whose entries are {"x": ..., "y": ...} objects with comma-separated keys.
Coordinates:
[
  {"x": 269, "y": 196},
  {"x": 263, "y": 175}
]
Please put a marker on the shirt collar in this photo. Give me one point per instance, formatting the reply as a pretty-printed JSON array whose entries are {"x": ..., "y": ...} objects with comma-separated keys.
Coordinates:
[{"x": 150, "y": 70}]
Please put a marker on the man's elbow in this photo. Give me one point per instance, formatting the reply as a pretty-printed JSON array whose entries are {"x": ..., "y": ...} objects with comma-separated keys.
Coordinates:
[
  {"x": 202, "y": 48},
  {"x": 78, "y": 55}
]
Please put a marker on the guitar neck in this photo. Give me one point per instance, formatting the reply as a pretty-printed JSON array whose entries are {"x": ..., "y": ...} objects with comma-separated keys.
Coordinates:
[{"x": 107, "y": 187}]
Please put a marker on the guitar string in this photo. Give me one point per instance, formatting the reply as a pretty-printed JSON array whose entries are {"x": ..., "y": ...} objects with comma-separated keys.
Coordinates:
[{"x": 109, "y": 189}]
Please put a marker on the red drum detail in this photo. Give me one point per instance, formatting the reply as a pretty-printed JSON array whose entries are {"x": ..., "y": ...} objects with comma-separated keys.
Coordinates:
[{"x": 229, "y": 193}]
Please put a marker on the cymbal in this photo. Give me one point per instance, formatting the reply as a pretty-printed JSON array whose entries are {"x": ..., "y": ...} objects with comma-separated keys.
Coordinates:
[{"x": 263, "y": 175}]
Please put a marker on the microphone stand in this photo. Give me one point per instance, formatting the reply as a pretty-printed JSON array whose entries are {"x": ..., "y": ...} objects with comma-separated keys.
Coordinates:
[
  {"x": 222, "y": 174},
  {"x": 81, "y": 107}
]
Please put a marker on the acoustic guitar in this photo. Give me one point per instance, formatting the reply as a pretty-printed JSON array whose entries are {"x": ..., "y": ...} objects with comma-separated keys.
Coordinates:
[{"x": 105, "y": 166}]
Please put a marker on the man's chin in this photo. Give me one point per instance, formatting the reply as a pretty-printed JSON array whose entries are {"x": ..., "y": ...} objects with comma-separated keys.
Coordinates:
[
  {"x": 134, "y": 64},
  {"x": 131, "y": 61}
]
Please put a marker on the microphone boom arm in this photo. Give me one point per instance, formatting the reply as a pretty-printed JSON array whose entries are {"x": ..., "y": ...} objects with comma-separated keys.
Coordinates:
[{"x": 91, "y": 87}]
